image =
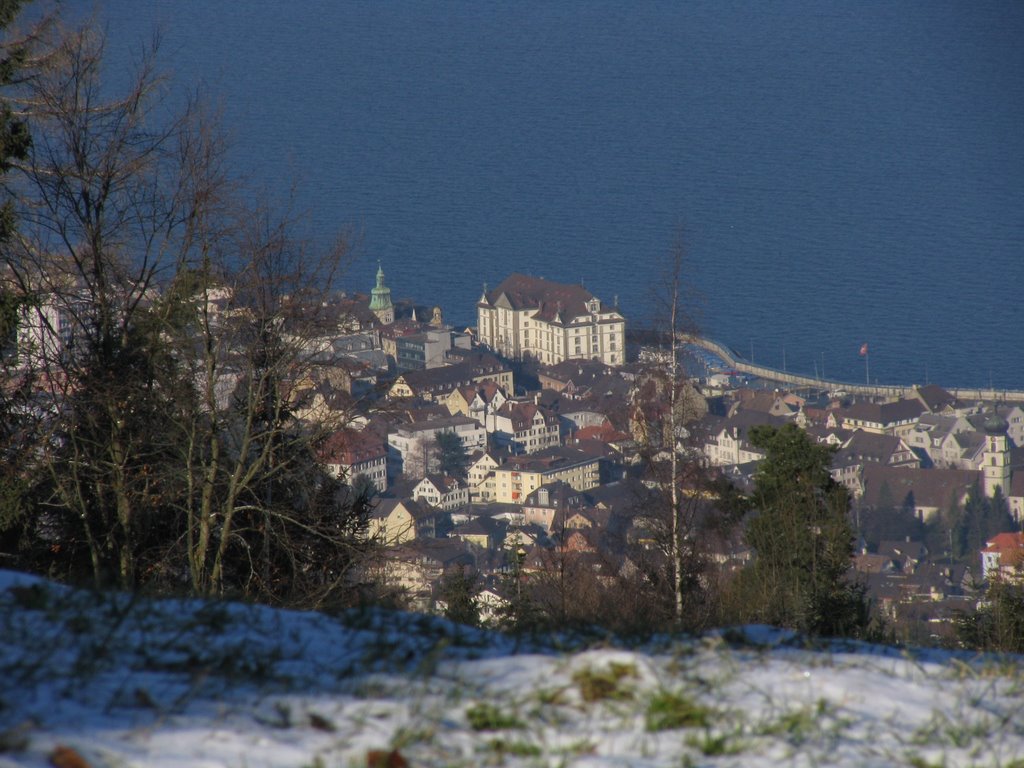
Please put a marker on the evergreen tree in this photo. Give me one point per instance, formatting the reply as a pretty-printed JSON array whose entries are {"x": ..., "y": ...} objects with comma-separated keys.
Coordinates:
[
  {"x": 15, "y": 139},
  {"x": 803, "y": 540},
  {"x": 452, "y": 456},
  {"x": 19, "y": 452},
  {"x": 457, "y": 591},
  {"x": 999, "y": 624}
]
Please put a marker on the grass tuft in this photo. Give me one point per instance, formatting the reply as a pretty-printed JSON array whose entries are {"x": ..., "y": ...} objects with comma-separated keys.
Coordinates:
[
  {"x": 667, "y": 711},
  {"x": 605, "y": 684},
  {"x": 487, "y": 717},
  {"x": 514, "y": 748}
]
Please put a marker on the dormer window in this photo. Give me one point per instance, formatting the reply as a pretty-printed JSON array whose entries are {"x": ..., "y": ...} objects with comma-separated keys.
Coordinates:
[{"x": 594, "y": 305}]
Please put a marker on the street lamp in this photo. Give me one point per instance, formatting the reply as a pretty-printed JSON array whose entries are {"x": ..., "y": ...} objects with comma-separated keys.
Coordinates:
[{"x": 520, "y": 556}]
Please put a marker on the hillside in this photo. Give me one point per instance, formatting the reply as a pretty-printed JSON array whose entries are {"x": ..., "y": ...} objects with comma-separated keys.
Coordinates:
[{"x": 116, "y": 680}]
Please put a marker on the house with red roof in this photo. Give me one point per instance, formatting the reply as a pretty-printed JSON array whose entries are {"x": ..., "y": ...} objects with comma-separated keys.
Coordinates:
[
  {"x": 1002, "y": 556},
  {"x": 348, "y": 453}
]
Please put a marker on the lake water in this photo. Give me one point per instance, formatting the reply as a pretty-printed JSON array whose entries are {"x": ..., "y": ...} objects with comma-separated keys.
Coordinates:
[{"x": 840, "y": 173}]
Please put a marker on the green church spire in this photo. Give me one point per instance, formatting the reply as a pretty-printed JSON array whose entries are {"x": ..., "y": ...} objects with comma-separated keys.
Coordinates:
[{"x": 380, "y": 299}]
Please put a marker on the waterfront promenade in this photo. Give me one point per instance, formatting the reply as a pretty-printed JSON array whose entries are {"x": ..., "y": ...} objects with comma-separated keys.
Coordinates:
[{"x": 734, "y": 361}]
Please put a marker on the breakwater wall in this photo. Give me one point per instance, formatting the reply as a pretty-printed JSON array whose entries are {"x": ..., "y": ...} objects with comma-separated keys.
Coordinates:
[{"x": 895, "y": 391}]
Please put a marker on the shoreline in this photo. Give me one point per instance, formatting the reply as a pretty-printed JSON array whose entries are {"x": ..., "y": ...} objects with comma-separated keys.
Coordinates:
[{"x": 733, "y": 360}]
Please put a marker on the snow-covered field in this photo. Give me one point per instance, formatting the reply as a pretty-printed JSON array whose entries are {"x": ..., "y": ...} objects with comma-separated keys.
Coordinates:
[{"x": 114, "y": 681}]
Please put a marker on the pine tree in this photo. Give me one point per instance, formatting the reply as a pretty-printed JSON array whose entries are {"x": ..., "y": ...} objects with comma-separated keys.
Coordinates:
[
  {"x": 451, "y": 455},
  {"x": 457, "y": 588},
  {"x": 803, "y": 539},
  {"x": 15, "y": 139}
]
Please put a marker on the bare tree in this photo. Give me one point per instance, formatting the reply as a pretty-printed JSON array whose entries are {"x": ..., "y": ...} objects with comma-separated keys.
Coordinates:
[
  {"x": 255, "y": 341},
  {"x": 176, "y": 330},
  {"x": 421, "y": 458},
  {"x": 98, "y": 209},
  {"x": 665, "y": 405}
]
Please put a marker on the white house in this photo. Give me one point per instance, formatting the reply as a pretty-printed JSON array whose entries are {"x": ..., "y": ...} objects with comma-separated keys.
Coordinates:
[
  {"x": 532, "y": 317},
  {"x": 524, "y": 427},
  {"x": 412, "y": 447},
  {"x": 480, "y": 476},
  {"x": 442, "y": 491}
]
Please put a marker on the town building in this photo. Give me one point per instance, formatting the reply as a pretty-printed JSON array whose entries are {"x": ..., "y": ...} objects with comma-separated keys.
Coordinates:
[
  {"x": 925, "y": 492},
  {"x": 412, "y": 448},
  {"x": 896, "y": 418},
  {"x": 863, "y": 448},
  {"x": 477, "y": 400},
  {"x": 397, "y": 521},
  {"x": 437, "y": 384},
  {"x": 996, "y": 457},
  {"x": 428, "y": 349},
  {"x": 727, "y": 441},
  {"x": 348, "y": 453},
  {"x": 1002, "y": 556},
  {"x": 523, "y": 428},
  {"x": 530, "y": 317},
  {"x": 520, "y": 476},
  {"x": 480, "y": 476},
  {"x": 442, "y": 491}
]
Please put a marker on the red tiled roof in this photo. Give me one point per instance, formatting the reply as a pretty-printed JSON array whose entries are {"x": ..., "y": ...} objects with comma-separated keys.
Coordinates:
[
  {"x": 348, "y": 446},
  {"x": 1005, "y": 542}
]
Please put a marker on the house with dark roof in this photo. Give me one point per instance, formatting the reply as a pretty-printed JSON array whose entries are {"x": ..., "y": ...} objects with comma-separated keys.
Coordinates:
[
  {"x": 523, "y": 428},
  {"x": 481, "y": 532},
  {"x": 476, "y": 400},
  {"x": 863, "y": 448},
  {"x": 397, "y": 521},
  {"x": 933, "y": 437},
  {"x": 924, "y": 491},
  {"x": 529, "y": 317},
  {"x": 777, "y": 403},
  {"x": 416, "y": 567},
  {"x": 935, "y": 399},
  {"x": 906, "y": 553},
  {"x": 442, "y": 491},
  {"x": 727, "y": 440},
  {"x": 894, "y": 418},
  {"x": 572, "y": 378},
  {"x": 520, "y": 476},
  {"x": 544, "y": 503},
  {"x": 412, "y": 448},
  {"x": 436, "y": 384}
]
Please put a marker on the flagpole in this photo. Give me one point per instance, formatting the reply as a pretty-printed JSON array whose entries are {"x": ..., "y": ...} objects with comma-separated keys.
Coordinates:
[{"x": 867, "y": 369}]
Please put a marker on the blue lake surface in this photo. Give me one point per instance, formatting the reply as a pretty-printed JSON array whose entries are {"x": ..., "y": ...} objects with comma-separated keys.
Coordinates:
[{"x": 838, "y": 173}]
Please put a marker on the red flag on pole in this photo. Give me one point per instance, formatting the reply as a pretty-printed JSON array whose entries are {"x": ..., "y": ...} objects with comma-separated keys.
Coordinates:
[{"x": 864, "y": 348}]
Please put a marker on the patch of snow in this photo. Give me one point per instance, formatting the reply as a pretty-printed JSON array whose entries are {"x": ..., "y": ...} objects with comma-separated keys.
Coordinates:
[{"x": 125, "y": 681}]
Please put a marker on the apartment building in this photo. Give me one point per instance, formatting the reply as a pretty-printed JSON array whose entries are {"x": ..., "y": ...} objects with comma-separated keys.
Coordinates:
[{"x": 530, "y": 317}]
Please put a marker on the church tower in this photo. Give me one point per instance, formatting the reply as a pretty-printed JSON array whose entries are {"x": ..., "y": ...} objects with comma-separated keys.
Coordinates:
[
  {"x": 380, "y": 300},
  {"x": 996, "y": 456}
]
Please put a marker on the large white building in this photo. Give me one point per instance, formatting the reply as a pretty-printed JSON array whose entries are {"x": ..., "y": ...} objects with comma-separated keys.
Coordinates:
[
  {"x": 412, "y": 448},
  {"x": 550, "y": 322}
]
